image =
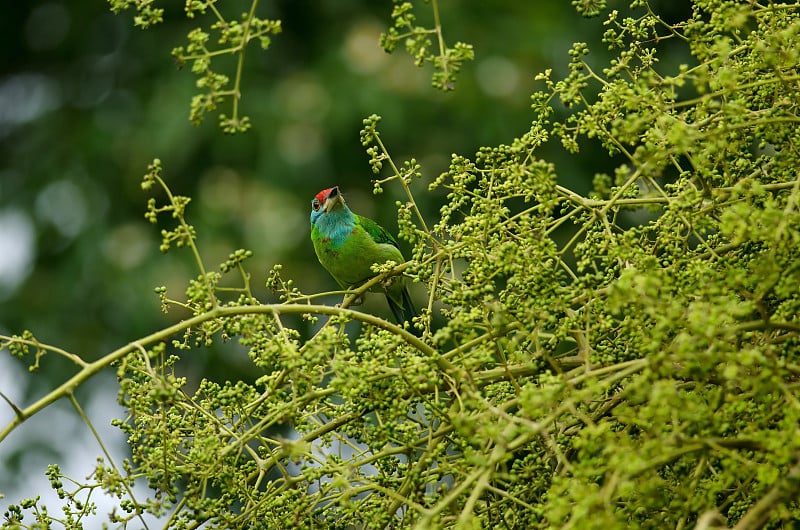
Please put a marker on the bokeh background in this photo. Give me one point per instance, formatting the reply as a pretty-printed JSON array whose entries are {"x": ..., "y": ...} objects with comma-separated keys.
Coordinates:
[{"x": 87, "y": 101}]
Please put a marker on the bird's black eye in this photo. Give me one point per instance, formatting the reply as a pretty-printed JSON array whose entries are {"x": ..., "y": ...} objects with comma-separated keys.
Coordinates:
[{"x": 315, "y": 205}]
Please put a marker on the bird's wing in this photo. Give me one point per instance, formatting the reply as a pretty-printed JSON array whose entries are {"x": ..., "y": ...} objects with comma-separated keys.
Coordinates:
[{"x": 376, "y": 231}]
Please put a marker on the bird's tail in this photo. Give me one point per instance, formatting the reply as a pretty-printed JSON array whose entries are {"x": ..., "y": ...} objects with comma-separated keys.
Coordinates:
[{"x": 404, "y": 313}]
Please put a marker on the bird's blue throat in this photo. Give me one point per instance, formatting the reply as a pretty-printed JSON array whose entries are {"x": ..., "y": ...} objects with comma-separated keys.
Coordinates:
[{"x": 335, "y": 225}]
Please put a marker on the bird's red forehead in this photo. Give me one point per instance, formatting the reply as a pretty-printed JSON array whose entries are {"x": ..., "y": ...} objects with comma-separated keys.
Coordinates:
[{"x": 321, "y": 196}]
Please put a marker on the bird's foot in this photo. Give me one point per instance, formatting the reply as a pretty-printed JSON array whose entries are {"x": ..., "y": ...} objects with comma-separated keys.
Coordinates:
[
  {"x": 356, "y": 300},
  {"x": 387, "y": 283}
]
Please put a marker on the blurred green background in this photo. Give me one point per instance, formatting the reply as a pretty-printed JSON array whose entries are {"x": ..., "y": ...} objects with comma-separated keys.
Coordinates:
[{"x": 87, "y": 101}]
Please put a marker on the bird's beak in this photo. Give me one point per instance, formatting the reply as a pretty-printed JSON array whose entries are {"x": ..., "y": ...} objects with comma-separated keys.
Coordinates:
[{"x": 334, "y": 200}]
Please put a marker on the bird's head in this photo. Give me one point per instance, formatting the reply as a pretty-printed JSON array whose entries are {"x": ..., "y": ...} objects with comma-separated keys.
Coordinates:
[{"x": 326, "y": 202}]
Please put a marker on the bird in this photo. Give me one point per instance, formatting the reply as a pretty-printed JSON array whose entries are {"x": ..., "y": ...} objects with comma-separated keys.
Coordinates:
[{"x": 348, "y": 245}]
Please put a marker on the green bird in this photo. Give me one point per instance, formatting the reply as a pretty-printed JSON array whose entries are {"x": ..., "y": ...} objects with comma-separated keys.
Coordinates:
[{"x": 348, "y": 245}]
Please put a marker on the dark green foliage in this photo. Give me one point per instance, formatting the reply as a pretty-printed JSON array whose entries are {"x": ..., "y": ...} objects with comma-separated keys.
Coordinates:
[{"x": 622, "y": 358}]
